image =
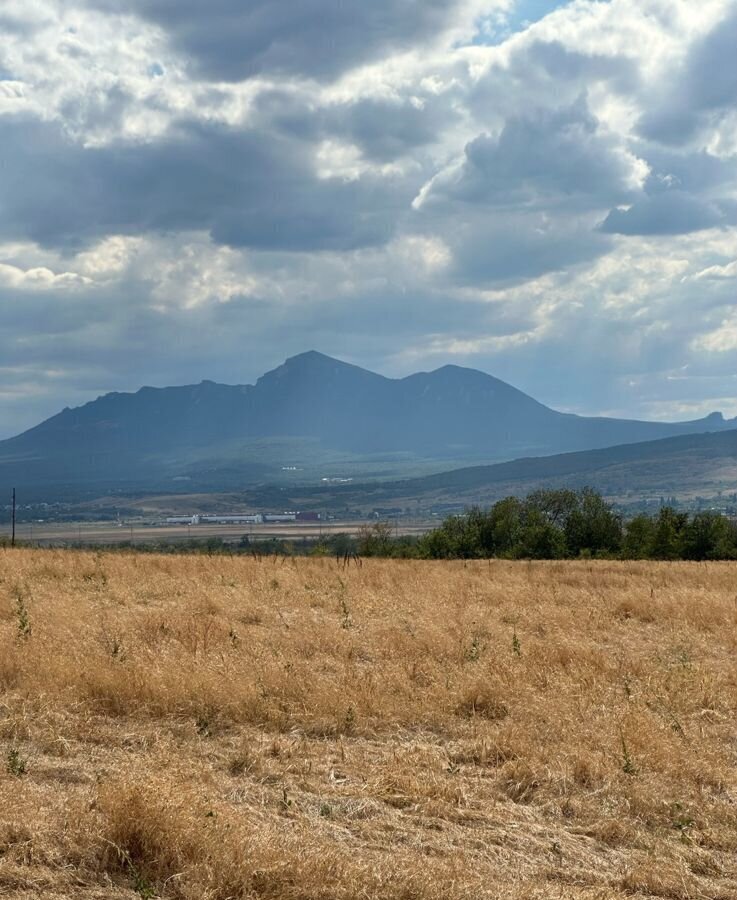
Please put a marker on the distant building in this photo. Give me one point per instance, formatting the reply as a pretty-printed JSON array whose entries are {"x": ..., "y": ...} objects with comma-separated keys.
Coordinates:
[
  {"x": 225, "y": 519},
  {"x": 308, "y": 517},
  {"x": 243, "y": 518},
  {"x": 232, "y": 519}
]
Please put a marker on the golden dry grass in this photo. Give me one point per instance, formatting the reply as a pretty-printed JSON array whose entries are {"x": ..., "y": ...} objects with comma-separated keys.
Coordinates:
[{"x": 194, "y": 727}]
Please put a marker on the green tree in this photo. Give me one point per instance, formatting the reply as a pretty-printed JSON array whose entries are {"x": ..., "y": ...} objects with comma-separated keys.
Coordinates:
[
  {"x": 669, "y": 534},
  {"x": 457, "y": 538},
  {"x": 540, "y": 539},
  {"x": 505, "y": 524},
  {"x": 639, "y": 537},
  {"x": 709, "y": 536},
  {"x": 593, "y": 526},
  {"x": 556, "y": 505}
]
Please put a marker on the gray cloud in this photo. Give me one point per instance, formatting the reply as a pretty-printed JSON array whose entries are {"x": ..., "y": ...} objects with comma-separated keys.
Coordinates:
[
  {"x": 561, "y": 63},
  {"x": 235, "y": 39},
  {"x": 685, "y": 192},
  {"x": 515, "y": 247},
  {"x": 548, "y": 74},
  {"x": 541, "y": 158},
  {"x": 702, "y": 92},
  {"x": 698, "y": 172},
  {"x": 670, "y": 212},
  {"x": 388, "y": 129},
  {"x": 384, "y": 129},
  {"x": 248, "y": 189},
  {"x": 520, "y": 205},
  {"x": 12, "y": 23}
]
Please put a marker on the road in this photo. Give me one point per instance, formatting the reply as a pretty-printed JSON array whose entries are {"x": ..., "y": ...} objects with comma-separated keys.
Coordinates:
[{"x": 65, "y": 533}]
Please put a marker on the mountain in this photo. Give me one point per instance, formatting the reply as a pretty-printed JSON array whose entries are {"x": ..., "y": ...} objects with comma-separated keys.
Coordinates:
[
  {"x": 686, "y": 467},
  {"x": 312, "y": 412},
  {"x": 679, "y": 466}
]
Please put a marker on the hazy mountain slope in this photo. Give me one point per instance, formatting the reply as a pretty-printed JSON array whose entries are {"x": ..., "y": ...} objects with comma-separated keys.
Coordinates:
[
  {"x": 662, "y": 462},
  {"x": 162, "y": 433},
  {"x": 687, "y": 465},
  {"x": 684, "y": 466}
]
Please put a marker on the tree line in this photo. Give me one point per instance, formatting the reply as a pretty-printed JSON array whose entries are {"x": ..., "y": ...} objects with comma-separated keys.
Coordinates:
[
  {"x": 547, "y": 524},
  {"x": 562, "y": 524}
]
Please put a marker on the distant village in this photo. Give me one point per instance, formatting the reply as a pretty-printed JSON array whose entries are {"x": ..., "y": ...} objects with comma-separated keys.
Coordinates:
[{"x": 243, "y": 519}]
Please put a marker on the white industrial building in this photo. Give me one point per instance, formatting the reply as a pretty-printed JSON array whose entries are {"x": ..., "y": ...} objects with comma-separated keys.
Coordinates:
[
  {"x": 226, "y": 519},
  {"x": 242, "y": 518}
]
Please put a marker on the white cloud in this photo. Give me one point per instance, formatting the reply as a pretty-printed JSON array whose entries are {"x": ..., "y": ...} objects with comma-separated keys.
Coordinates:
[
  {"x": 38, "y": 278},
  {"x": 727, "y": 271},
  {"x": 721, "y": 340},
  {"x": 111, "y": 257}
]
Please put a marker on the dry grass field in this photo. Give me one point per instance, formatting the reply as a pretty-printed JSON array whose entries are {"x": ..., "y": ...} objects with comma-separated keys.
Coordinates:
[{"x": 221, "y": 727}]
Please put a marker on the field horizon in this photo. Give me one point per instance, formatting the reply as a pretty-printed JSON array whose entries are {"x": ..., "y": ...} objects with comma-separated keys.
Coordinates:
[{"x": 222, "y": 727}]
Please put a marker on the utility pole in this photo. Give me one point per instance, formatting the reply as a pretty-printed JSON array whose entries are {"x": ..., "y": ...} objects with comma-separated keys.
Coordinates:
[{"x": 12, "y": 532}]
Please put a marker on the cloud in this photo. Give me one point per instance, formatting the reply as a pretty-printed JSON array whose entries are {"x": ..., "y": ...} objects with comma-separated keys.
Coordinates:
[
  {"x": 379, "y": 129},
  {"x": 550, "y": 156},
  {"x": 524, "y": 203},
  {"x": 721, "y": 340},
  {"x": 672, "y": 212},
  {"x": 247, "y": 189},
  {"x": 40, "y": 276},
  {"x": 566, "y": 64},
  {"x": 389, "y": 128},
  {"x": 718, "y": 272},
  {"x": 512, "y": 247},
  {"x": 684, "y": 192},
  {"x": 230, "y": 40},
  {"x": 702, "y": 93}
]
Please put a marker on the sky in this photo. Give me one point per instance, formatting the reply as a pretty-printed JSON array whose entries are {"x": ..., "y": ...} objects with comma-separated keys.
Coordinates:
[{"x": 546, "y": 191}]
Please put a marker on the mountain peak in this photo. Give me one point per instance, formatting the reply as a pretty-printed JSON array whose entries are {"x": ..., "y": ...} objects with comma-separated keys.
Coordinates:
[
  {"x": 450, "y": 370},
  {"x": 311, "y": 358},
  {"x": 313, "y": 365}
]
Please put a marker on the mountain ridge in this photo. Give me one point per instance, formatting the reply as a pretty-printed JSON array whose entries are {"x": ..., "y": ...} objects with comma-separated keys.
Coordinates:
[{"x": 317, "y": 406}]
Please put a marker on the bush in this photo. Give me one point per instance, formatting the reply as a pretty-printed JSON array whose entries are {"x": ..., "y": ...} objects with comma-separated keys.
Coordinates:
[{"x": 375, "y": 540}]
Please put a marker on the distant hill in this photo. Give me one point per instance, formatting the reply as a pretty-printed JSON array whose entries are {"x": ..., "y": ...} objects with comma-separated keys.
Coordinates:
[
  {"x": 684, "y": 466},
  {"x": 312, "y": 412},
  {"x": 700, "y": 463}
]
